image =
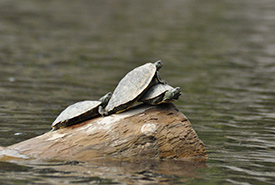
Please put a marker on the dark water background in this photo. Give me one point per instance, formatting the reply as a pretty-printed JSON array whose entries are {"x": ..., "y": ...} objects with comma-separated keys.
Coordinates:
[{"x": 221, "y": 53}]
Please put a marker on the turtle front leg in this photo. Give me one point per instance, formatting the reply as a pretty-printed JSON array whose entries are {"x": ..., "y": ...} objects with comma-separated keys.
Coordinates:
[
  {"x": 101, "y": 111},
  {"x": 159, "y": 80}
]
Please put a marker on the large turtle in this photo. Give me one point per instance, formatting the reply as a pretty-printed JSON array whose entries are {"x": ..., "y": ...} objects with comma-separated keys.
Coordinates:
[
  {"x": 160, "y": 93},
  {"x": 79, "y": 112},
  {"x": 132, "y": 86}
]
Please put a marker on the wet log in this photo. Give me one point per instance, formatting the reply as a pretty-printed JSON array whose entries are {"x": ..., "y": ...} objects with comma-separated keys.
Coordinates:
[{"x": 155, "y": 132}]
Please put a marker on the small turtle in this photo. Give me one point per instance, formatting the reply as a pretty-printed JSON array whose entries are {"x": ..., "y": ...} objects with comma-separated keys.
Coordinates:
[
  {"x": 160, "y": 93},
  {"x": 79, "y": 112},
  {"x": 132, "y": 87}
]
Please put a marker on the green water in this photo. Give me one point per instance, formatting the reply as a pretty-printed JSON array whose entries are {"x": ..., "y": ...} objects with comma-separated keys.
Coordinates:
[{"x": 221, "y": 54}]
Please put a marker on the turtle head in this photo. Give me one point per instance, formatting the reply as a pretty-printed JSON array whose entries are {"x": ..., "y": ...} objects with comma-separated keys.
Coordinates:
[
  {"x": 105, "y": 99},
  {"x": 158, "y": 64},
  {"x": 172, "y": 94},
  {"x": 176, "y": 93}
]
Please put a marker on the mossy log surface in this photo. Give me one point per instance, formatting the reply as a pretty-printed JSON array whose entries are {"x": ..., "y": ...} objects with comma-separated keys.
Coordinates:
[{"x": 158, "y": 132}]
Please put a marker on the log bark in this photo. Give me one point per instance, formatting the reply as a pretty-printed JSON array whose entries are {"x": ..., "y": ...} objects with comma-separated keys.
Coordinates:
[{"x": 155, "y": 132}]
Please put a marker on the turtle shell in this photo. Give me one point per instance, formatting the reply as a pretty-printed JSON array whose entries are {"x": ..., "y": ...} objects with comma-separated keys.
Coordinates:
[
  {"x": 131, "y": 87},
  {"x": 76, "y": 113}
]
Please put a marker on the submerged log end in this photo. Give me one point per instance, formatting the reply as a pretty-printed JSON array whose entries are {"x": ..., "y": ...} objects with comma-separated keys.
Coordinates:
[{"x": 142, "y": 132}]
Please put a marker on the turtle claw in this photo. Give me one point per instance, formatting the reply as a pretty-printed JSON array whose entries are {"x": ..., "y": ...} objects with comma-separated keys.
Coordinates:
[
  {"x": 101, "y": 111},
  {"x": 163, "y": 82},
  {"x": 53, "y": 129}
]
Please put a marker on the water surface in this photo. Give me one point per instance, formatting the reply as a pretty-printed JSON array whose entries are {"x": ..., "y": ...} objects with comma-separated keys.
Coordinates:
[{"x": 221, "y": 53}]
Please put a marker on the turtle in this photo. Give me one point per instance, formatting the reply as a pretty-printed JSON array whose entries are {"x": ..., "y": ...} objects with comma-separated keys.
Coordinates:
[
  {"x": 132, "y": 86},
  {"x": 160, "y": 93},
  {"x": 79, "y": 112}
]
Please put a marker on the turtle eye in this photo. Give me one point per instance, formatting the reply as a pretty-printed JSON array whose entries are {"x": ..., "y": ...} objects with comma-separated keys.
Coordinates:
[{"x": 158, "y": 64}]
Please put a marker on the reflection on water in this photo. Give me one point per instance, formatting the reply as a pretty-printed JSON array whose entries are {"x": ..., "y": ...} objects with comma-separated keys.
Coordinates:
[
  {"x": 221, "y": 54},
  {"x": 108, "y": 172}
]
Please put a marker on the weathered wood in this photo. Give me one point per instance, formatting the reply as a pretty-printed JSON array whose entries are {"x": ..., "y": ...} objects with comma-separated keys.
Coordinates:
[{"x": 141, "y": 132}]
